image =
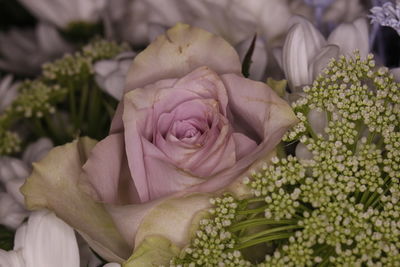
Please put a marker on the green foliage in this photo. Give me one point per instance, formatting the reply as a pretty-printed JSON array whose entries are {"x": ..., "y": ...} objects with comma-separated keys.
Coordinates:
[{"x": 6, "y": 238}]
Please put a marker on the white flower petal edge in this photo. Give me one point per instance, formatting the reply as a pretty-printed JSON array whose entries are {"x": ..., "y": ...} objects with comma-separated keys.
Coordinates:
[
  {"x": 48, "y": 241},
  {"x": 11, "y": 259},
  {"x": 44, "y": 241}
]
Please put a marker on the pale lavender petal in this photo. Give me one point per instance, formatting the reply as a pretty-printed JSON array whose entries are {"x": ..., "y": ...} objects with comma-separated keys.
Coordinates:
[{"x": 107, "y": 171}]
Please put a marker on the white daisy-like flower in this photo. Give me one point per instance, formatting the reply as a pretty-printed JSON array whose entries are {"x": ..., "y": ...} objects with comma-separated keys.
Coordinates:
[
  {"x": 24, "y": 51},
  {"x": 63, "y": 12}
]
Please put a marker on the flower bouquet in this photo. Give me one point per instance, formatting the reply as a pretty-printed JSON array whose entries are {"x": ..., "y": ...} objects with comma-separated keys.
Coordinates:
[{"x": 170, "y": 134}]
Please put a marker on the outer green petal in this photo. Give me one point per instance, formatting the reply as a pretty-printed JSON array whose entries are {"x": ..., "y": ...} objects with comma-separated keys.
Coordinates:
[
  {"x": 173, "y": 219},
  {"x": 179, "y": 51},
  {"x": 54, "y": 184},
  {"x": 153, "y": 251}
]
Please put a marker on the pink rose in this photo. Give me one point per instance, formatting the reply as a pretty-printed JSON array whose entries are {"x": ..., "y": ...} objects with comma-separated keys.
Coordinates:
[
  {"x": 189, "y": 125},
  {"x": 189, "y": 121}
]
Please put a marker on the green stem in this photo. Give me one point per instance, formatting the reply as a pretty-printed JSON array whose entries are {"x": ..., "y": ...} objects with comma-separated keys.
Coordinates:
[
  {"x": 257, "y": 222},
  {"x": 72, "y": 105},
  {"x": 94, "y": 111},
  {"x": 38, "y": 127},
  {"x": 251, "y": 211},
  {"x": 53, "y": 129},
  {"x": 268, "y": 231},
  {"x": 83, "y": 103},
  {"x": 262, "y": 240},
  {"x": 364, "y": 197}
]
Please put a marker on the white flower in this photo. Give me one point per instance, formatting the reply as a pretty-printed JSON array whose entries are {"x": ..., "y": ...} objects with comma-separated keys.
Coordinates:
[
  {"x": 8, "y": 92},
  {"x": 306, "y": 52},
  {"x": 387, "y": 15},
  {"x": 44, "y": 241},
  {"x": 234, "y": 20},
  {"x": 63, "y": 12},
  {"x": 24, "y": 51},
  {"x": 333, "y": 12},
  {"x": 110, "y": 73}
]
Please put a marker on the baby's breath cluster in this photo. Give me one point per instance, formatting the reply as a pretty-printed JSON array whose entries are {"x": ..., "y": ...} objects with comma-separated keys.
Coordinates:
[
  {"x": 74, "y": 68},
  {"x": 10, "y": 142},
  {"x": 65, "y": 93},
  {"x": 213, "y": 244},
  {"x": 348, "y": 191},
  {"x": 36, "y": 99}
]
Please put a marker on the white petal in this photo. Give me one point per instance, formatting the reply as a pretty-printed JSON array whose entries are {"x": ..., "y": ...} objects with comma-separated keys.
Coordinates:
[
  {"x": 49, "y": 242},
  {"x": 112, "y": 264},
  {"x": 321, "y": 60},
  {"x": 11, "y": 168},
  {"x": 11, "y": 259},
  {"x": 396, "y": 73},
  {"x": 351, "y": 36},
  {"x": 11, "y": 213},
  {"x": 318, "y": 121},
  {"x": 12, "y": 187},
  {"x": 302, "y": 152},
  {"x": 37, "y": 150},
  {"x": 294, "y": 60}
]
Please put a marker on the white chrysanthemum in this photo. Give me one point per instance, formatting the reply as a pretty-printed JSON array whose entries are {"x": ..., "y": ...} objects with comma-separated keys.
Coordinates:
[
  {"x": 63, "y": 12},
  {"x": 24, "y": 51}
]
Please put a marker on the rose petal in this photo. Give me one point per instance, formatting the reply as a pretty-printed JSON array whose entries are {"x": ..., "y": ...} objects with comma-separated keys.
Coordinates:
[
  {"x": 54, "y": 185},
  {"x": 176, "y": 53},
  {"x": 162, "y": 176},
  {"x": 259, "y": 112},
  {"x": 257, "y": 105},
  {"x": 179, "y": 51},
  {"x": 112, "y": 182},
  {"x": 243, "y": 145}
]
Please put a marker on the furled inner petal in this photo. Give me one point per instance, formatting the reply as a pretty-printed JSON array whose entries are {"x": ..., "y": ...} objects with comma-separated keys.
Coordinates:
[{"x": 195, "y": 136}]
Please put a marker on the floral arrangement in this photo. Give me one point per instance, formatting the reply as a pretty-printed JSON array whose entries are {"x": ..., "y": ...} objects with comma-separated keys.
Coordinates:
[{"x": 147, "y": 133}]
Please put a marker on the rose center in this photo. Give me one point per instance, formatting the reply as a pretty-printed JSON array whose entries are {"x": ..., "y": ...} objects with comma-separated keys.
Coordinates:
[{"x": 183, "y": 129}]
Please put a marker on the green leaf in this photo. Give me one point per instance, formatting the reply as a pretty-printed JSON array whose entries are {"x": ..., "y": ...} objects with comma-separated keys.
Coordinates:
[
  {"x": 6, "y": 238},
  {"x": 247, "y": 58}
]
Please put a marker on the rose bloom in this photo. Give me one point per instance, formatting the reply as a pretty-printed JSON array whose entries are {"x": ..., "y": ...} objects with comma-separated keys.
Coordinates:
[{"x": 189, "y": 124}]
